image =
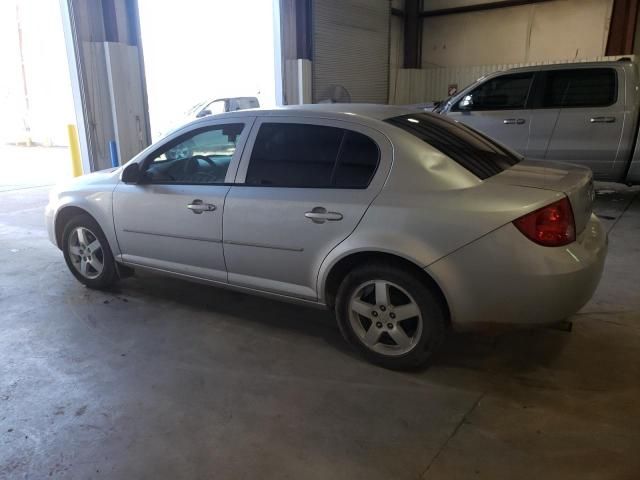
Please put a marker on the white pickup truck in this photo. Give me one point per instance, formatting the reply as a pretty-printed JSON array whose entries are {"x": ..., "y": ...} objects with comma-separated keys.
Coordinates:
[{"x": 583, "y": 113}]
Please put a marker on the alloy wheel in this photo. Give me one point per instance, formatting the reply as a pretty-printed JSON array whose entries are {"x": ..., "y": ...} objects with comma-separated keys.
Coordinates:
[
  {"x": 86, "y": 253},
  {"x": 385, "y": 317}
]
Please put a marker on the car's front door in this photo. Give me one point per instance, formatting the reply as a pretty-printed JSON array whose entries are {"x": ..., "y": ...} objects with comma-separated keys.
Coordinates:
[
  {"x": 302, "y": 187},
  {"x": 172, "y": 219},
  {"x": 498, "y": 108}
]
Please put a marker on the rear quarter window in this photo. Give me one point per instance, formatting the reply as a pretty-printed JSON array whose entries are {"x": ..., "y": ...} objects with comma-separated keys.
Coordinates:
[{"x": 469, "y": 148}]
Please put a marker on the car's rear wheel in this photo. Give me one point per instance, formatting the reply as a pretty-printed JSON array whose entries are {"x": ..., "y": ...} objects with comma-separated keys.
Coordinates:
[
  {"x": 390, "y": 315},
  {"x": 87, "y": 253}
]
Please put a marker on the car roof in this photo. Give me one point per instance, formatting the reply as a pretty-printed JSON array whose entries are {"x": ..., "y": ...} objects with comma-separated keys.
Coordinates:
[
  {"x": 560, "y": 66},
  {"x": 369, "y": 111}
]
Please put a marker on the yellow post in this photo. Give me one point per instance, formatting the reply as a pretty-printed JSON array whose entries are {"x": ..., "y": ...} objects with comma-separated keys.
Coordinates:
[{"x": 74, "y": 148}]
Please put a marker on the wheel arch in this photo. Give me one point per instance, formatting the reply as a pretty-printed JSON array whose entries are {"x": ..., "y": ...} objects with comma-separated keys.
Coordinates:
[
  {"x": 62, "y": 218},
  {"x": 343, "y": 266}
]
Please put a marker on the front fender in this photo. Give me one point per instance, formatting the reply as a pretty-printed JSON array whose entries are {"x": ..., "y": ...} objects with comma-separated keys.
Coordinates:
[{"x": 96, "y": 203}]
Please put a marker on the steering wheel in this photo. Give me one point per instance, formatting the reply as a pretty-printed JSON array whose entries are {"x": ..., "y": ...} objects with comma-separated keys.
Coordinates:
[
  {"x": 192, "y": 167},
  {"x": 206, "y": 159}
]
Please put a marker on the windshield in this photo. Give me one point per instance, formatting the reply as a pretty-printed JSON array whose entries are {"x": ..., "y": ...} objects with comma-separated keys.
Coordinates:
[{"x": 477, "y": 153}]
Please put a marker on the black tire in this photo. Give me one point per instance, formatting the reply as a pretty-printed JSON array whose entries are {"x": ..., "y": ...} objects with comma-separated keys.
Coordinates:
[
  {"x": 432, "y": 311},
  {"x": 109, "y": 275}
]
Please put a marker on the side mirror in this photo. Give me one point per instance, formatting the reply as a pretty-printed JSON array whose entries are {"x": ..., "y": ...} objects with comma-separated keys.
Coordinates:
[
  {"x": 203, "y": 113},
  {"x": 131, "y": 173},
  {"x": 466, "y": 103}
]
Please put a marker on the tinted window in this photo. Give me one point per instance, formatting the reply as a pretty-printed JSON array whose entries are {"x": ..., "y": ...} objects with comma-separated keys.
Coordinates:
[
  {"x": 469, "y": 148},
  {"x": 298, "y": 155},
  {"x": 507, "y": 92},
  {"x": 584, "y": 87},
  {"x": 202, "y": 156},
  {"x": 357, "y": 162}
]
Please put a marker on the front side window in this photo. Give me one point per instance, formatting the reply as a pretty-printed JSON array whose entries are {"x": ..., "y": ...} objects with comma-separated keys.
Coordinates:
[
  {"x": 312, "y": 156},
  {"x": 506, "y": 92},
  {"x": 201, "y": 157},
  {"x": 469, "y": 148},
  {"x": 581, "y": 87}
]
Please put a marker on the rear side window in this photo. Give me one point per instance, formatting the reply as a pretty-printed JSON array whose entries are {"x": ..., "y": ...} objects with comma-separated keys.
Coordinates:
[
  {"x": 506, "y": 92},
  {"x": 475, "y": 152},
  {"x": 583, "y": 87},
  {"x": 311, "y": 156},
  {"x": 357, "y": 162}
]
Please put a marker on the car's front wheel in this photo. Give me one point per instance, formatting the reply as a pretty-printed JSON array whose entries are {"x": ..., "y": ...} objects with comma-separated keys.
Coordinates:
[
  {"x": 390, "y": 315},
  {"x": 87, "y": 253}
]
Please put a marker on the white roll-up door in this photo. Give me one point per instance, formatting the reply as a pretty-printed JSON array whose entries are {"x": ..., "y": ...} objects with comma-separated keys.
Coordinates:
[{"x": 351, "y": 48}]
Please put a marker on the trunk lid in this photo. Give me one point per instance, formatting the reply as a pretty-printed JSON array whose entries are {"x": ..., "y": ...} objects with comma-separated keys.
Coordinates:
[{"x": 574, "y": 181}]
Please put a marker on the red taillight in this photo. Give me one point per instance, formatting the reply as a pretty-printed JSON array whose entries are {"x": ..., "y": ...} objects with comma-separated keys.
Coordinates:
[{"x": 551, "y": 226}]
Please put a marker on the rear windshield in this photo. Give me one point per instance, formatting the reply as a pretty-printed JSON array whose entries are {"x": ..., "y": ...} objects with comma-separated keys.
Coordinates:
[{"x": 471, "y": 149}]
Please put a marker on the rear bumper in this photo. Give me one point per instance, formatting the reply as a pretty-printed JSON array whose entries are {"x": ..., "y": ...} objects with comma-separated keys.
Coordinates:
[{"x": 505, "y": 279}]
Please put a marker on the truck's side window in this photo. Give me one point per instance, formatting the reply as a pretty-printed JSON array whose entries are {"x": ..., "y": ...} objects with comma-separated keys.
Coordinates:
[
  {"x": 506, "y": 92},
  {"x": 580, "y": 87},
  {"x": 311, "y": 156}
]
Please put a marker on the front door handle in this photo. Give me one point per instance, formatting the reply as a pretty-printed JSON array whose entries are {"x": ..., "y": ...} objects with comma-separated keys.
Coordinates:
[
  {"x": 198, "y": 206},
  {"x": 320, "y": 215},
  {"x": 513, "y": 121},
  {"x": 602, "y": 119}
]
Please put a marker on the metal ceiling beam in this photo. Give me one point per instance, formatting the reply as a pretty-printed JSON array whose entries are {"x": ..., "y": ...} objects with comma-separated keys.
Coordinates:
[
  {"x": 304, "y": 47},
  {"x": 622, "y": 29},
  {"x": 412, "y": 34}
]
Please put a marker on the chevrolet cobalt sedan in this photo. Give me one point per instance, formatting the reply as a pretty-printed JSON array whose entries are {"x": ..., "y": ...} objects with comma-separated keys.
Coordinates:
[{"x": 406, "y": 224}]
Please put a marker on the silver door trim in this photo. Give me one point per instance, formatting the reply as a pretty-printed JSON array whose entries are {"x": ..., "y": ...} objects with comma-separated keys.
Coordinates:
[
  {"x": 264, "y": 245},
  {"x": 225, "y": 285},
  {"x": 182, "y": 237}
]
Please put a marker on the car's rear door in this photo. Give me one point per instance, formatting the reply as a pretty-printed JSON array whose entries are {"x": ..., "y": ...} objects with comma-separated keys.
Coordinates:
[
  {"x": 498, "y": 108},
  {"x": 172, "y": 220},
  {"x": 591, "y": 118},
  {"x": 302, "y": 187}
]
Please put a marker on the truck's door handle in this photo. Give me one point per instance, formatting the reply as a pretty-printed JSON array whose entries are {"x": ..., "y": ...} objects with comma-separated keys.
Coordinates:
[
  {"x": 320, "y": 215},
  {"x": 198, "y": 206},
  {"x": 514, "y": 121},
  {"x": 603, "y": 119}
]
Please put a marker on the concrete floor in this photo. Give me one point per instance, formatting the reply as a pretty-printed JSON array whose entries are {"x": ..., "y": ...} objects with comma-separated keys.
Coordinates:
[{"x": 166, "y": 379}]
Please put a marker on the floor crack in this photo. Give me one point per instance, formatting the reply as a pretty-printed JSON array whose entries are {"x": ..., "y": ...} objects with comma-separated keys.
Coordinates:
[{"x": 462, "y": 421}]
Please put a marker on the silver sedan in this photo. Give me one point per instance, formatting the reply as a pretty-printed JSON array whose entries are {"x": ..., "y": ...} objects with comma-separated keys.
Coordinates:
[{"x": 406, "y": 224}]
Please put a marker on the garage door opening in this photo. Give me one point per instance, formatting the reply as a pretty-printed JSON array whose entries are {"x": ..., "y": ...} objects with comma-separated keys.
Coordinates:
[
  {"x": 36, "y": 104},
  {"x": 196, "y": 52}
]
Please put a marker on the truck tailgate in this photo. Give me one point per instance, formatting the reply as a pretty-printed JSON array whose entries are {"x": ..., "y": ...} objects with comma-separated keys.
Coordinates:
[{"x": 574, "y": 181}]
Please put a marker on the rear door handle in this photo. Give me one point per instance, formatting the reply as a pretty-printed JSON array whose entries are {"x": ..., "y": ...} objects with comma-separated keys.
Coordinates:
[
  {"x": 320, "y": 215},
  {"x": 513, "y": 121},
  {"x": 198, "y": 206},
  {"x": 602, "y": 119}
]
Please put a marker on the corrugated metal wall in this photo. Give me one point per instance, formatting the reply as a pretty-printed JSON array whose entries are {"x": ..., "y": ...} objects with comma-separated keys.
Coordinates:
[
  {"x": 351, "y": 48},
  {"x": 409, "y": 86}
]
